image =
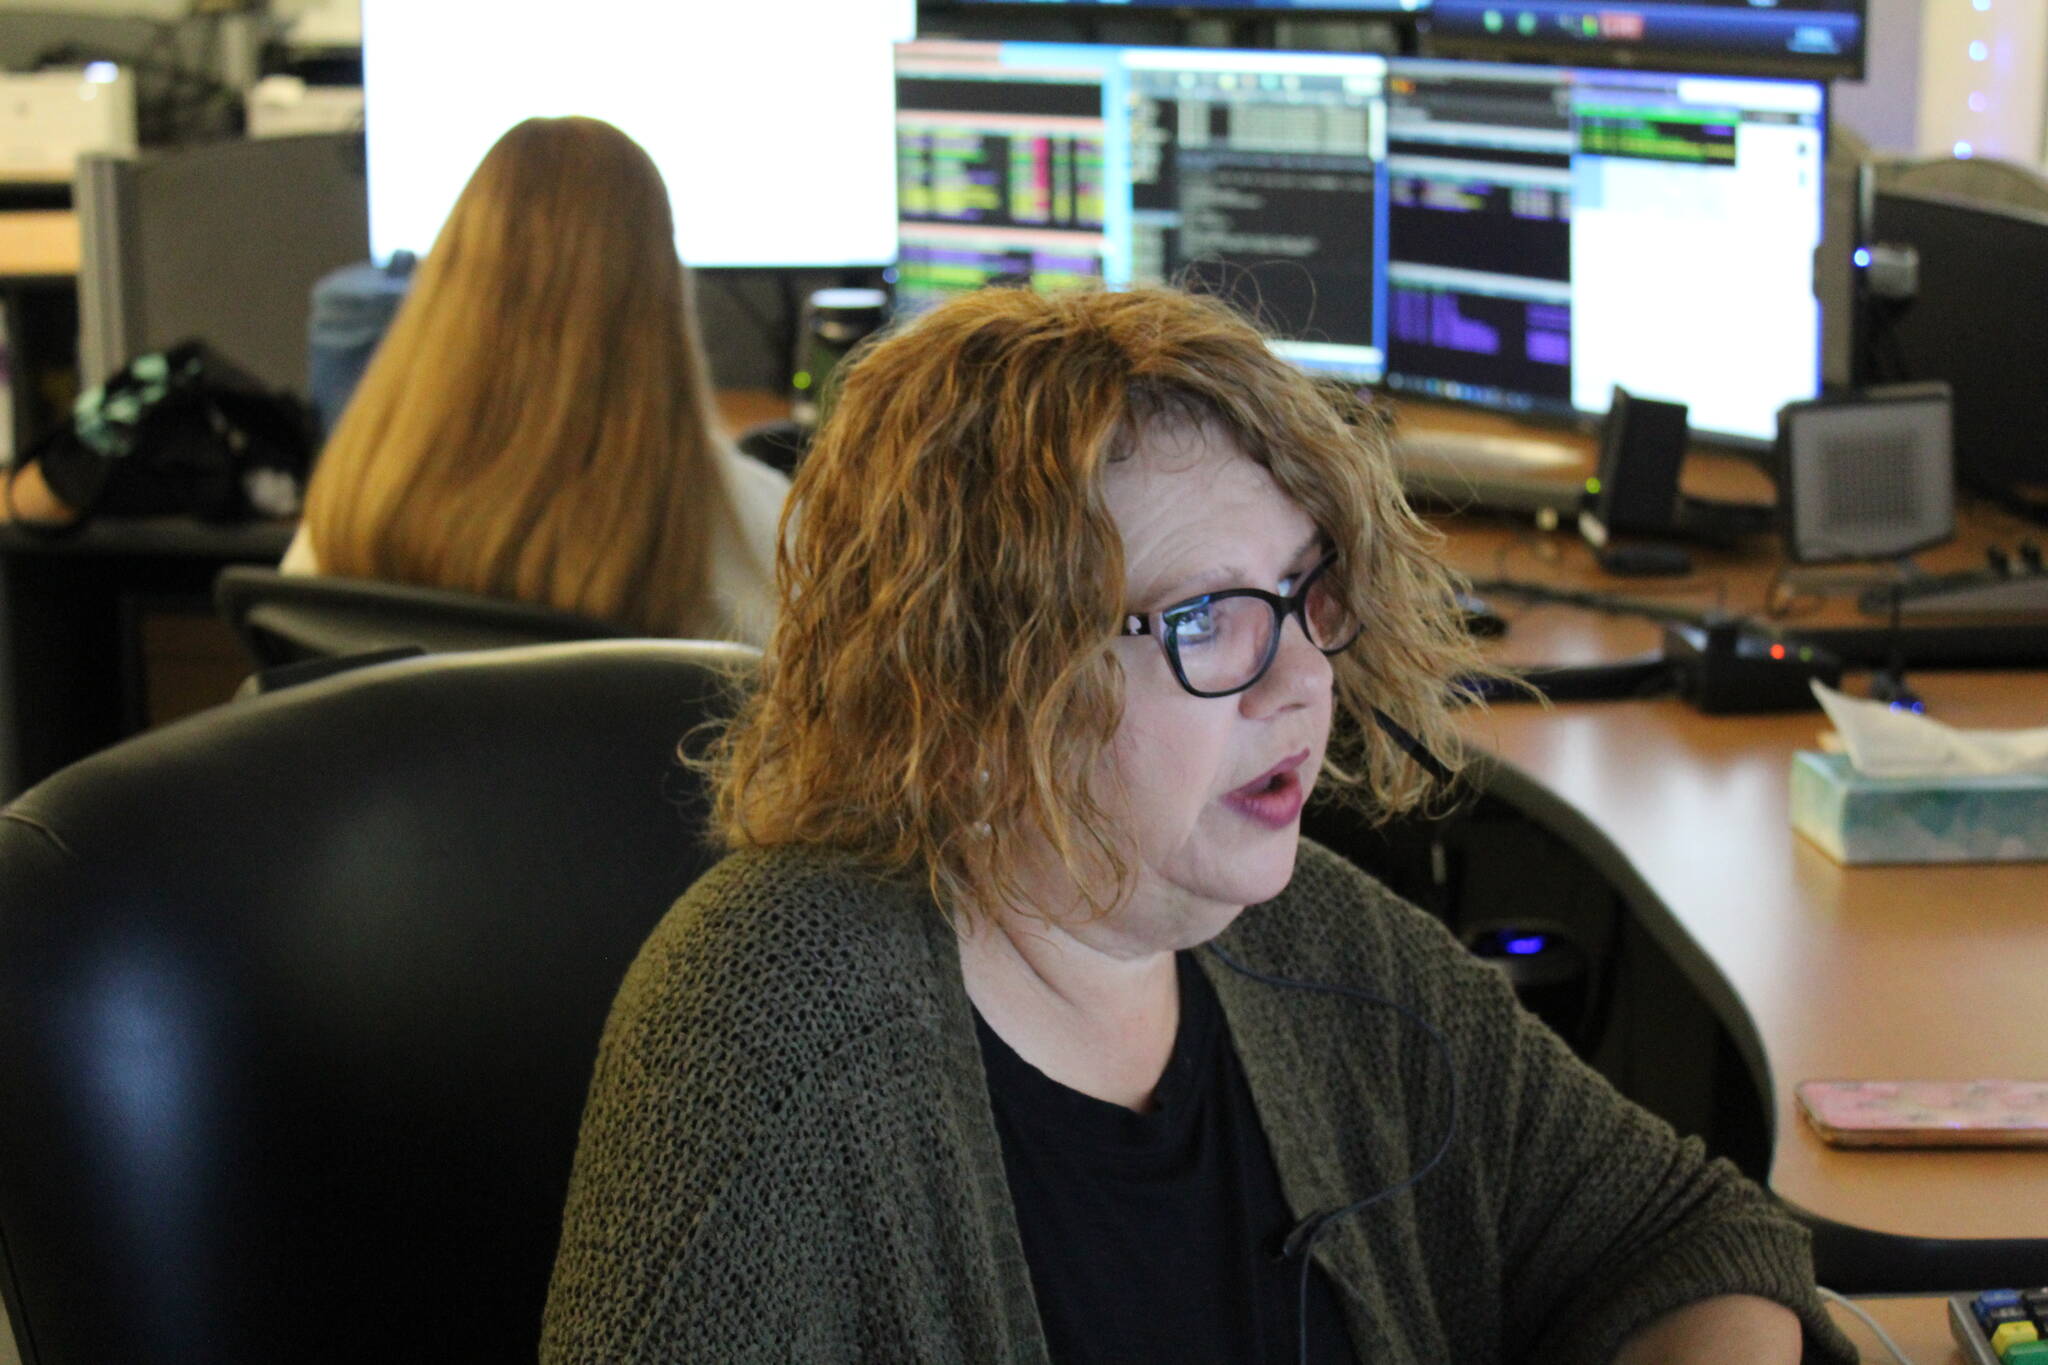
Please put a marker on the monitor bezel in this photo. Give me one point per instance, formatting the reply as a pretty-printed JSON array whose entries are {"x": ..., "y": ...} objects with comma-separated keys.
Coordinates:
[{"x": 1539, "y": 50}]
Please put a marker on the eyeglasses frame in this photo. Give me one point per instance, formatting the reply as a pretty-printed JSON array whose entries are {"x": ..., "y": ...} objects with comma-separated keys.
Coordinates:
[{"x": 1282, "y": 607}]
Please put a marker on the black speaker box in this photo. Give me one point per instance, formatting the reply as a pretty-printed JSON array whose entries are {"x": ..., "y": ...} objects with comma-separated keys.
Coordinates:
[
  {"x": 1642, "y": 444},
  {"x": 1868, "y": 475}
]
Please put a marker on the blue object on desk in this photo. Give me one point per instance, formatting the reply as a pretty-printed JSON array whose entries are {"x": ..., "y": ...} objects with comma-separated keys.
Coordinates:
[
  {"x": 352, "y": 309},
  {"x": 1861, "y": 819}
]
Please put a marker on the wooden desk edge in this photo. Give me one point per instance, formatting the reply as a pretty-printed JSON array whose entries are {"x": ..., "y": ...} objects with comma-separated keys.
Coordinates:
[
  {"x": 1532, "y": 798},
  {"x": 39, "y": 244}
]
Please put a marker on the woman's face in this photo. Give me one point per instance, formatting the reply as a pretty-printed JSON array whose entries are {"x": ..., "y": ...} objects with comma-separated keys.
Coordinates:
[{"x": 1208, "y": 791}]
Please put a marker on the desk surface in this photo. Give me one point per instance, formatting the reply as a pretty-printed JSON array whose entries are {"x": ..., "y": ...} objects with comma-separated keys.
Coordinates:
[
  {"x": 1918, "y": 1326},
  {"x": 38, "y": 242},
  {"x": 1843, "y": 972},
  {"x": 234, "y": 542}
]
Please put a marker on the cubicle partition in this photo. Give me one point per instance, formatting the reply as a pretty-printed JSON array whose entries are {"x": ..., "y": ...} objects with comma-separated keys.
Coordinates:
[{"x": 221, "y": 241}]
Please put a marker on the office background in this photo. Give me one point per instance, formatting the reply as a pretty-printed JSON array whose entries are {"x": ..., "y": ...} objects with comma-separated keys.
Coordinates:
[{"x": 1944, "y": 77}]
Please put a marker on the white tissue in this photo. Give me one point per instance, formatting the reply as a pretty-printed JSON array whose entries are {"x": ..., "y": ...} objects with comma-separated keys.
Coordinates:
[{"x": 1882, "y": 742}]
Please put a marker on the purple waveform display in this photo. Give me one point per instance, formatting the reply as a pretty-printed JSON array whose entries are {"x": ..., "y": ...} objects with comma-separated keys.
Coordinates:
[
  {"x": 1538, "y": 205},
  {"x": 1431, "y": 319},
  {"x": 1549, "y": 337},
  {"x": 1075, "y": 265},
  {"x": 939, "y": 255},
  {"x": 996, "y": 261}
]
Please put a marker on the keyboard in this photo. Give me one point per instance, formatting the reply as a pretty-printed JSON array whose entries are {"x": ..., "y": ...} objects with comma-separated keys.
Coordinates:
[
  {"x": 2001, "y": 1326},
  {"x": 2016, "y": 592}
]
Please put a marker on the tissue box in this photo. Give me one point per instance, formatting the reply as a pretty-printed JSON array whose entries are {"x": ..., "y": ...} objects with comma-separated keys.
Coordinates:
[{"x": 1859, "y": 819}]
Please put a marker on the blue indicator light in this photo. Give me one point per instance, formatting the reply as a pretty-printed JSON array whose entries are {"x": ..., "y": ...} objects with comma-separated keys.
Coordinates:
[
  {"x": 1524, "y": 947},
  {"x": 1863, "y": 258}
]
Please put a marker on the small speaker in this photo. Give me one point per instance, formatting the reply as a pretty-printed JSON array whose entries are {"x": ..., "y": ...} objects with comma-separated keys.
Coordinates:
[
  {"x": 1869, "y": 475},
  {"x": 1642, "y": 444}
]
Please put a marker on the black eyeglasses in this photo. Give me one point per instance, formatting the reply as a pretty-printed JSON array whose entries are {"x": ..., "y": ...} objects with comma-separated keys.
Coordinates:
[{"x": 1221, "y": 643}]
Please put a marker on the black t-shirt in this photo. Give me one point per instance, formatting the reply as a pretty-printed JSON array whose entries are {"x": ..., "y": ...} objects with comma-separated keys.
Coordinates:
[{"x": 1155, "y": 1237}]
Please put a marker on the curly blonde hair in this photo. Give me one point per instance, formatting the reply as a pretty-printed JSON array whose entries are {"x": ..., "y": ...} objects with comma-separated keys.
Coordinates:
[{"x": 941, "y": 677}]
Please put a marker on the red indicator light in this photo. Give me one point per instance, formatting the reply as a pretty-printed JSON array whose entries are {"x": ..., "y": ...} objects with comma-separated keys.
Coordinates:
[{"x": 1777, "y": 651}]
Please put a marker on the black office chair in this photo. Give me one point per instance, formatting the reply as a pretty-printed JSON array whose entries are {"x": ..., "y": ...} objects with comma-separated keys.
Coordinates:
[
  {"x": 1517, "y": 844},
  {"x": 780, "y": 444},
  {"x": 289, "y": 618},
  {"x": 299, "y": 1000}
]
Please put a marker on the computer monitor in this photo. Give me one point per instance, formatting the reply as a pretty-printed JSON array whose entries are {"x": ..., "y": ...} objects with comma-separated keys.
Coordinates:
[
  {"x": 1983, "y": 296},
  {"x": 1002, "y": 166},
  {"x": 770, "y": 120},
  {"x": 1762, "y": 37},
  {"x": 1254, "y": 174},
  {"x": 1556, "y": 232},
  {"x": 1525, "y": 238}
]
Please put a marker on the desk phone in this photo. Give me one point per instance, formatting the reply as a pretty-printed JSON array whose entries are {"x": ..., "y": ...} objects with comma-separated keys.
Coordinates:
[{"x": 2001, "y": 1326}]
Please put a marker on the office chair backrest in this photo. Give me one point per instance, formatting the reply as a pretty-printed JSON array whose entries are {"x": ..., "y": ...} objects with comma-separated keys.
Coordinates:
[
  {"x": 299, "y": 1000},
  {"x": 286, "y": 618}
]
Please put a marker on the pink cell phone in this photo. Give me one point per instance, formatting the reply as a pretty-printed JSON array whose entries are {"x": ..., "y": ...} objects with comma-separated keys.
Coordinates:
[{"x": 1927, "y": 1113}]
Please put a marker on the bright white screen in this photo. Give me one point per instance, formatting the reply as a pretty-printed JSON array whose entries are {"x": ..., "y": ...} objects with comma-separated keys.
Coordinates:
[
  {"x": 772, "y": 120},
  {"x": 1695, "y": 284}
]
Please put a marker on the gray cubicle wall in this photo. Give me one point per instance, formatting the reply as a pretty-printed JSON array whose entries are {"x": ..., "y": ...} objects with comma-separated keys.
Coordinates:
[{"x": 221, "y": 241}]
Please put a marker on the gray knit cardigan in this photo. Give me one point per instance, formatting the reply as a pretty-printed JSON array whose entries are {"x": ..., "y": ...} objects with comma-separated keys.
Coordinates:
[{"x": 788, "y": 1152}]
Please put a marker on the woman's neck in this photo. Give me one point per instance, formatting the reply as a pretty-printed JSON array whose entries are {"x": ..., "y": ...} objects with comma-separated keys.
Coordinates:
[{"x": 1098, "y": 1020}]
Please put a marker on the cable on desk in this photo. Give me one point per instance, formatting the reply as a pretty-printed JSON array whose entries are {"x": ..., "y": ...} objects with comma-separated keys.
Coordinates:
[
  {"x": 1637, "y": 679},
  {"x": 1599, "y": 600},
  {"x": 1539, "y": 545},
  {"x": 1781, "y": 595},
  {"x": 1883, "y": 1337}
]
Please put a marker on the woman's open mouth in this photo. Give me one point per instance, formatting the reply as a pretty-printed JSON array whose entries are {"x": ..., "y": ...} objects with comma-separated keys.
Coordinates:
[{"x": 1274, "y": 798}]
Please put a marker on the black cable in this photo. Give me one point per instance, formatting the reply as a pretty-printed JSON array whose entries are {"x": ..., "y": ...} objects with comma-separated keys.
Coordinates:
[
  {"x": 1302, "y": 1240},
  {"x": 790, "y": 337},
  {"x": 1645, "y": 676},
  {"x": 1896, "y": 662},
  {"x": 1596, "y": 600},
  {"x": 1411, "y": 746},
  {"x": 1888, "y": 684}
]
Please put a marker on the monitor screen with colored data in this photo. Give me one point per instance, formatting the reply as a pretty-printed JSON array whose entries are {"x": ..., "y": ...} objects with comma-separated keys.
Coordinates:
[
  {"x": 1255, "y": 175},
  {"x": 1556, "y": 232},
  {"x": 1520, "y": 237}
]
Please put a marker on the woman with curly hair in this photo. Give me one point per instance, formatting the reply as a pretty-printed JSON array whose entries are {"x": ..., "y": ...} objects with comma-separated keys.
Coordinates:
[{"x": 1022, "y": 1023}]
